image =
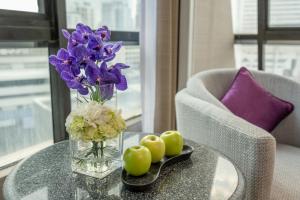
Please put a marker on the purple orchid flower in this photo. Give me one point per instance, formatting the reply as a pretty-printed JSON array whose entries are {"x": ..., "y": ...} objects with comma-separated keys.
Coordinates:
[
  {"x": 78, "y": 65},
  {"x": 110, "y": 51},
  {"x": 82, "y": 55},
  {"x": 79, "y": 36},
  {"x": 72, "y": 41},
  {"x": 113, "y": 75},
  {"x": 75, "y": 82},
  {"x": 95, "y": 45},
  {"x": 66, "y": 33},
  {"x": 104, "y": 33},
  {"x": 92, "y": 73},
  {"x": 82, "y": 33},
  {"x": 106, "y": 77},
  {"x": 63, "y": 61},
  {"x": 121, "y": 84},
  {"x": 103, "y": 78}
]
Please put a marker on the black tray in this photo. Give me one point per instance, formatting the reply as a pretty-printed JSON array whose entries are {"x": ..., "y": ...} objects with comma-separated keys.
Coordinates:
[{"x": 141, "y": 183}]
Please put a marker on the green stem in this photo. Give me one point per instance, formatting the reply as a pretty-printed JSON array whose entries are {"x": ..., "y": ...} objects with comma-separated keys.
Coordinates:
[
  {"x": 101, "y": 148},
  {"x": 95, "y": 149}
]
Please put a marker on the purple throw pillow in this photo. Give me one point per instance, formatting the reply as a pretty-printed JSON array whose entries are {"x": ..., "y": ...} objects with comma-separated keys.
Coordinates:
[{"x": 249, "y": 100}]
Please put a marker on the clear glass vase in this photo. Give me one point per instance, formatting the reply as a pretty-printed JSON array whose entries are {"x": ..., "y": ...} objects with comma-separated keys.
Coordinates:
[
  {"x": 97, "y": 158},
  {"x": 85, "y": 160}
]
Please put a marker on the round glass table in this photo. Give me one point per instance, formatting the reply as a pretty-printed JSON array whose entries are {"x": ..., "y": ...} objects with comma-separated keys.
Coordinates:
[{"x": 47, "y": 175}]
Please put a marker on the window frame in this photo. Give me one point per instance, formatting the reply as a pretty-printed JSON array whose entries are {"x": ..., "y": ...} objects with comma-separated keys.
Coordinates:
[
  {"x": 266, "y": 33},
  {"x": 44, "y": 28}
]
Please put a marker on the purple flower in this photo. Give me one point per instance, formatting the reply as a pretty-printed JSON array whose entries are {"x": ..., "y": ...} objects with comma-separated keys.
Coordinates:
[
  {"x": 63, "y": 61},
  {"x": 106, "y": 77},
  {"x": 121, "y": 84},
  {"x": 110, "y": 50},
  {"x": 78, "y": 65},
  {"x": 82, "y": 33},
  {"x": 92, "y": 73},
  {"x": 65, "y": 33},
  {"x": 79, "y": 36},
  {"x": 95, "y": 45},
  {"x": 74, "y": 82},
  {"x": 82, "y": 55},
  {"x": 72, "y": 42},
  {"x": 104, "y": 33},
  {"x": 113, "y": 75}
]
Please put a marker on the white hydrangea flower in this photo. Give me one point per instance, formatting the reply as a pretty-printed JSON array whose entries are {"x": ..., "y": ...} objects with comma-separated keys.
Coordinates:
[{"x": 94, "y": 122}]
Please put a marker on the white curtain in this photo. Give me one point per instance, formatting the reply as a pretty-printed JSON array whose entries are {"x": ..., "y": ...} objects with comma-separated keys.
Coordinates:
[
  {"x": 212, "y": 35},
  {"x": 148, "y": 63}
]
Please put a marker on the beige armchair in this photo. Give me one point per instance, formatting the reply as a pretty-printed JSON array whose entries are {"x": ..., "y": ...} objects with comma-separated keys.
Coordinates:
[{"x": 272, "y": 171}]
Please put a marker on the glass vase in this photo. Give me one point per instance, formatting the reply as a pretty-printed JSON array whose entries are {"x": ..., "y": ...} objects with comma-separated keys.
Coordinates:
[
  {"x": 100, "y": 163},
  {"x": 97, "y": 158}
]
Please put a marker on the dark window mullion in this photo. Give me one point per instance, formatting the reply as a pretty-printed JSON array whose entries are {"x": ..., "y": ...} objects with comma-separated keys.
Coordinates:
[
  {"x": 245, "y": 37},
  {"x": 13, "y": 14},
  {"x": 284, "y": 29},
  {"x": 125, "y": 36},
  {"x": 25, "y": 34},
  {"x": 60, "y": 94},
  {"x": 282, "y": 35},
  {"x": 262, "y": 20},
  {"x": 24, "y": 26}
]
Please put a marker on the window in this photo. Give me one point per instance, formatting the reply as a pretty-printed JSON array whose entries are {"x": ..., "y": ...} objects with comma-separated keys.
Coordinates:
[
  {"x": 123, "y": 18},
  {"x": 28, "y": 121},
  {"x": 244, "y": 16},
  {"x": 25, "y": 102},
  {"x": 34, "y": 100},
  {"x": 120, "y": 15},
  {"x": 246, "y": 55},
  {"x": 284, "y": 13},
  {"x": 129, "y": 101},
  {"x": 277, "y": 36},
  {"x": 283, "y": 59}
]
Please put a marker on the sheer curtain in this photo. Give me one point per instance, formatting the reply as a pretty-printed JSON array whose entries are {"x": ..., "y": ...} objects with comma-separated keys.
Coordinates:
[
  {"x": 159, "y": 44},
  {"x": 212, "y": 35},
  {"x": 148, "y": 63},
  {"x": 207, "y": 30}
]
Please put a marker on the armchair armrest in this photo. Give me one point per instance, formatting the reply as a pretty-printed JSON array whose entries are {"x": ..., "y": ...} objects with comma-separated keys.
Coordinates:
[{"x": 251, "y": 148}]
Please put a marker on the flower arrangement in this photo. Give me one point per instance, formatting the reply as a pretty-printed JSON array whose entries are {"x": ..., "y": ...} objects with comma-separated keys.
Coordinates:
[{"x": 84, "y": 66}]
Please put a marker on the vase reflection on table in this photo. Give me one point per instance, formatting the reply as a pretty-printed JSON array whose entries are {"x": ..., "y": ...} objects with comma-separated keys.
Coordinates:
[{"x": 95, "y": 128}]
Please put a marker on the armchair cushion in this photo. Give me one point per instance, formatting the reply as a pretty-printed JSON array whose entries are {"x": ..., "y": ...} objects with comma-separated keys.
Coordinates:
[{"x": 247, "y": 99}]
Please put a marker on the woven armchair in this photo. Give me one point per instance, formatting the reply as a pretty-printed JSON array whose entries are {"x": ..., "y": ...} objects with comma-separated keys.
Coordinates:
[{"x": 272, "y": 171}]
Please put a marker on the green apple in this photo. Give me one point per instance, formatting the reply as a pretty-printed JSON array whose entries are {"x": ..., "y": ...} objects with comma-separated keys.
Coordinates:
[
  {"x": 137, "y": 160},
  {"x": 173, "y": 141},
  {"x": 156, "y": 146}
]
